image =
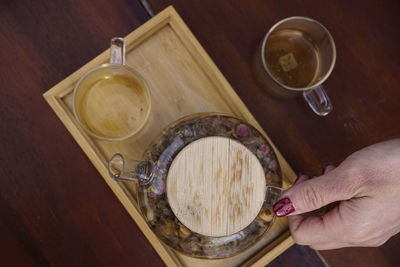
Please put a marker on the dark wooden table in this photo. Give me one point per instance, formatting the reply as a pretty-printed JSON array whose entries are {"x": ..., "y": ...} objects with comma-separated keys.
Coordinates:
[{"x": 54, "y": 209}]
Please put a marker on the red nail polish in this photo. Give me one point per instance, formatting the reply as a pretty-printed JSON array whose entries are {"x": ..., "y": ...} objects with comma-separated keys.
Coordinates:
[{"x": 283, "y": 207}]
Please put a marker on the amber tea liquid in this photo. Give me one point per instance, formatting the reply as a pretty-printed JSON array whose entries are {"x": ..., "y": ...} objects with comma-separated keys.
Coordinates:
[
  {"x": 292, "y": 58},
  {"x": 112, "y": 105}
]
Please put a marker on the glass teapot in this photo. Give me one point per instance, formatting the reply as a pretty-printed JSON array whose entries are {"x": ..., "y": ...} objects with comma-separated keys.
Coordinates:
[{"x": 151, "y": 175}]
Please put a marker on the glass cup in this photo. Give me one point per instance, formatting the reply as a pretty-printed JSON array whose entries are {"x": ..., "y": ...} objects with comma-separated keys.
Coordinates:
[
  {"x": 296, "y": 56},
  {"x": 112, "y": 102}
]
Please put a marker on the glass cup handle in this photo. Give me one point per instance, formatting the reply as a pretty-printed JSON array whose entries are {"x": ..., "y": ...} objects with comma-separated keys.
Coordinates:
[
  {"x": 318, "y": 100},
  {"x": 117, "y": 51}
]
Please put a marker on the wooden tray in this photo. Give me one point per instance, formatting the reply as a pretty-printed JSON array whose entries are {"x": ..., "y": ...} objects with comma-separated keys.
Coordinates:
[{"x": 183, "y": 80}]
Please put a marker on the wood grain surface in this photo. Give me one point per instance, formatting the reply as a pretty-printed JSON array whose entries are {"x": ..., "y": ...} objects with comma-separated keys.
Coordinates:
[
  {"x": 216, "y": 186},
  {"x": 364, "y": 86},
  {"x": 54, "y": 209},
  {"x": 48, "y": 215}
]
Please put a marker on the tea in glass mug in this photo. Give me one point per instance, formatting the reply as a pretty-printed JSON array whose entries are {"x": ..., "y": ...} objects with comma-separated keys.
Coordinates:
[
  {"x": 292, "y": 58},
  {"x": 112, "y": 102},
  {"x": 296, "y": 56}
]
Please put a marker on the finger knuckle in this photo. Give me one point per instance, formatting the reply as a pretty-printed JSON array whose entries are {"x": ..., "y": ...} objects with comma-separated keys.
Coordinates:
[
  {"x": 313, "y": 198},
  {"x": 358, "y": 172},
  {"x": 351, "y": 180},
  {"x": 378, "y": 242},
  {"x": 373, "y": 243},
  {"x": 358, "y": 235},
  {"x": 298, "y": 238}
]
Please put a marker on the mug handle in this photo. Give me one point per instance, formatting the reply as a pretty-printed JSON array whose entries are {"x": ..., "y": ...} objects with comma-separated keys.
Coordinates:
[
  {"x": 117, "y": 51},
  {"x": 318, "y": 100}
]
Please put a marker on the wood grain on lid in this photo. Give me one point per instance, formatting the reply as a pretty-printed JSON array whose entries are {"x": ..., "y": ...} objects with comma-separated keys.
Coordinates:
[{"x": 216, "y": 186}]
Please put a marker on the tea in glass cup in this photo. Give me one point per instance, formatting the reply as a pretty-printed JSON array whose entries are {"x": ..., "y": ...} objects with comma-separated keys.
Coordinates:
[
  {"x": 112, "y": 102},
  {"x": 292, "y": 58},
  {"x": 296, "y": 56}
]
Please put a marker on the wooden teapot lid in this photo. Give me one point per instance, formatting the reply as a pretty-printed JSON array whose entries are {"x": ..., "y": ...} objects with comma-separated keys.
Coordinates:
[{"x": 216, "y": 186}]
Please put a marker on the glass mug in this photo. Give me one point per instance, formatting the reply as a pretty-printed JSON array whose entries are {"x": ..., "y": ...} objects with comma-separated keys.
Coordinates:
[
  {"x": 296, "y": 56},
  {"x": 112, "y": 102}
]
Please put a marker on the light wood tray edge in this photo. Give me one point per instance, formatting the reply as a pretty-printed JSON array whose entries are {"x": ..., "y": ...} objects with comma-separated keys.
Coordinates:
[{"x": 54, "y": 98}]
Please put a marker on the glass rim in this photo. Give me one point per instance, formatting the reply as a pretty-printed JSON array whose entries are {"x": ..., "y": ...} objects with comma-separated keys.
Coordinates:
[
  {"x": 264, "y": 63},
  {"x": 103, "y": 66}
]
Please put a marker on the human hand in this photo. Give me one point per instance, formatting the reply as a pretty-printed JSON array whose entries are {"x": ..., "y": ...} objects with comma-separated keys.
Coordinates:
[{"x": 366, "y": 189}]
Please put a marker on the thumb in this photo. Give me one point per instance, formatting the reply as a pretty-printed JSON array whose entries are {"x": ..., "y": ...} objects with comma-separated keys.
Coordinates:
[{"x": 314, "y": 193}]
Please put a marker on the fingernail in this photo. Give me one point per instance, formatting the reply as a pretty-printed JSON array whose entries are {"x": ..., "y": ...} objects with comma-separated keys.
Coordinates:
[
  {"x": 324, "y": 168},
  {"x": 283, "y": 207},
  {"x": 297, "y": 178},
  {"x": 326, "y": 165}
]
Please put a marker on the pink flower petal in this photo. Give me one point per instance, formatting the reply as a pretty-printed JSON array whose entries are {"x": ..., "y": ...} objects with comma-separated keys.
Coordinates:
[
  {"x": 265, "y": 149},
  {"x": 242, "y": 130},
  {"x": 273, "y": 165}
]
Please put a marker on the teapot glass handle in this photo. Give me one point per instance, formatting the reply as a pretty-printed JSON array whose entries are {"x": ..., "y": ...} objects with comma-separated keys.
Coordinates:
[{"x": 122, "y": 168}]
